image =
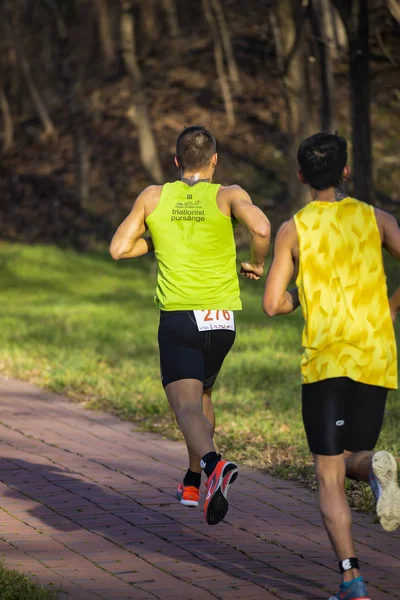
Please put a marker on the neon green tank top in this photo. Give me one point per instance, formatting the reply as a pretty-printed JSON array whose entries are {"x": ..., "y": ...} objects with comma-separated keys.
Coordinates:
[
  {"x": 342, "y": 289},
  {"x": 195, "y": 250}
]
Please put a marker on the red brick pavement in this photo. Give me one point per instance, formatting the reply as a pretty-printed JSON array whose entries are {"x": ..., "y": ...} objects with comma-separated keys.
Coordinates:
[{"x": 88, "y": 507}]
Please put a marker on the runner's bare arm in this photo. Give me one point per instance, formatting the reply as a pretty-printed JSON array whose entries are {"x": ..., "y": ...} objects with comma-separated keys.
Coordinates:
[
  {"x": 258, "y": 227},
  {"x": 128, "y": 241},
  {"x": 390, "y": 233},
  {"x": 277, "y": 300}
]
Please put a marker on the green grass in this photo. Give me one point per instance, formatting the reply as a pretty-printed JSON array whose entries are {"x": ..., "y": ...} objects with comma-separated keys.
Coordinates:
[
  {"x": 15, "y": 586},
  {"x": 86, "y": 326}
]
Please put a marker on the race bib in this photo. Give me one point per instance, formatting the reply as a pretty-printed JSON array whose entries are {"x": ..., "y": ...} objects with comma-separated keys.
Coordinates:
[{"x": 214, "y": 319}]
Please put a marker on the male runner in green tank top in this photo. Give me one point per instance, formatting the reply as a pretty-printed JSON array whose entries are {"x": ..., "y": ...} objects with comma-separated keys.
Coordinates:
[{"x": 191, "y": 223}]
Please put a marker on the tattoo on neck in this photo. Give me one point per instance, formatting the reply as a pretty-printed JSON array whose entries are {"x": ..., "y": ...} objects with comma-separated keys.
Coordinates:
[
  {"x": 192, "y": 180},
  {"x": 340, "y": 192}
]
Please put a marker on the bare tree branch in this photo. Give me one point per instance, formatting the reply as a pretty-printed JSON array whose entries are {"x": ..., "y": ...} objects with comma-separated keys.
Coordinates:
[
  {"x": 8, "y": 126},
  {"x": 169, "y": 7},
  {"x": 319, "y": 18},
  {"x": 277, "y": 36},
  {"x": 77, "y": 116},
  {"x": 296, "y": 89},
  {"x": 219, "y": 64},
  {"x": 106, "y": 34},
  {"x": 138, "y": 113},
  {"x": 227, "y": 44},
  {"x": 24, "y": 64}
]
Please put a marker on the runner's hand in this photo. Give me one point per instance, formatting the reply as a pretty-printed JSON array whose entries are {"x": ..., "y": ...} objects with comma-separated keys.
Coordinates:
[{"x": 251, "y": 271}]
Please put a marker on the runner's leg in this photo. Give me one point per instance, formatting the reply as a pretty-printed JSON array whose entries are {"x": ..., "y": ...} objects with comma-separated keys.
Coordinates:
[
  {"x": 219, "y": 342},
  {"x": 325, "y": 409},
  {"x": 380, "y": 468},
  {"x": 208, "y": 410},
  {"x": 358, "y": 465},
  {"x": 185, "y": 356},
  {"x": 335, "y": 510},
  {"x": 186, "y": 400},
  {"x": 362, "y": 428},
  {"x": 217, "y": 346}
]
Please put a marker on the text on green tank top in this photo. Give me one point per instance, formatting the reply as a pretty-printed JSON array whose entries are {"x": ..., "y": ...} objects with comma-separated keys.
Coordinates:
[{"x": 195, "y": 250}]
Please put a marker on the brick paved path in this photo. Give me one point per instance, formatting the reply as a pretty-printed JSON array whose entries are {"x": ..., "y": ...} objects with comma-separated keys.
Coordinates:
[{"x": 87, "y": 504}]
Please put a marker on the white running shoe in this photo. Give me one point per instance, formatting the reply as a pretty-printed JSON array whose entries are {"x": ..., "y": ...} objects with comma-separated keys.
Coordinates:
[{"x": 384, "y": 468}]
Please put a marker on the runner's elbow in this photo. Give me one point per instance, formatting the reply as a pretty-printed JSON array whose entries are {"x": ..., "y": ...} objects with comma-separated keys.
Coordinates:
[
  {"x": 270, "y": 306},
  {"x": 116, "y": 251},
  {"x": 261, "y": 229}
]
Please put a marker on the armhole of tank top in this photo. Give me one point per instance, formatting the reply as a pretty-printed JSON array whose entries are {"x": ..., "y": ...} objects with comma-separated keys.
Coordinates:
[
  {"x": 219, "y": 211},
  {"x": 158, "y": 204}
]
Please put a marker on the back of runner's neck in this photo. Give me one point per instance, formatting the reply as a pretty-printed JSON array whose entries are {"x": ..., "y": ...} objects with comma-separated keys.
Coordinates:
[
  {"x": 333, "y": 194},
  {"x": 197, "y": 177}
]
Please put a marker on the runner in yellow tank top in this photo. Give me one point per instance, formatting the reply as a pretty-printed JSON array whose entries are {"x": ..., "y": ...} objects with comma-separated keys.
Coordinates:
[
  {"x": 349, "y": 359},
  {"x": 191, "y": 223}
]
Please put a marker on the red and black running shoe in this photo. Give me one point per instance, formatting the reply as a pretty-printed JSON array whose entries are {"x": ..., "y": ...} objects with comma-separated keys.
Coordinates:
[{"x": 216, "y": 503}]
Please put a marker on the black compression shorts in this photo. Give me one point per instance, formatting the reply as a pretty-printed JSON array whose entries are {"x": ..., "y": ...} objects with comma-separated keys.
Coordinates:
[
  {"x": 186, "y": 352},
  {"x": 341, "y": 414}
]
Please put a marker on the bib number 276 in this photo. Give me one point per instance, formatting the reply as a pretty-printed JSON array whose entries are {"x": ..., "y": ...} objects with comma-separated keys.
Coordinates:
[{"x": 214, "y": 319}]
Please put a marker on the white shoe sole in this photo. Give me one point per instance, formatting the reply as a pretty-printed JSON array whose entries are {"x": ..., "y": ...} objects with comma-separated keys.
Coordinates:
[
  {"x": 384, "y": 467},
  {"x": 189, "y": 502},
  {"x": 186, "y": 502}
]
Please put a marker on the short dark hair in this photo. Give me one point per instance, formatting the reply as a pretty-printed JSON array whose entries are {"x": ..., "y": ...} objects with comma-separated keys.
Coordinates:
[
  {"x": 195, "y": 147},
  {"x": 322, "y": 158}
]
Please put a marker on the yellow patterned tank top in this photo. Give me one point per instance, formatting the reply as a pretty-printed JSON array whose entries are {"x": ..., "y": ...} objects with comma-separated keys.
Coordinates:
[{"x": 348, "y": 329}]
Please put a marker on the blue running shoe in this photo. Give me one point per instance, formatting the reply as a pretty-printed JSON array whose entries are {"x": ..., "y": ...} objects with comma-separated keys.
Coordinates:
[{"x": 356, "y": 591}]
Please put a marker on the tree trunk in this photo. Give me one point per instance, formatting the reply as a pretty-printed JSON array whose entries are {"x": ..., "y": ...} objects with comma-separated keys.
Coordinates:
[
  {"x": 277, "y": 37},
  {"x": 355, "y": 18},
  {"x": 78, "y": 119},
  {"x": 149, "y": 20},
  {"x": 8, "y": 126},
  {"x": 360, "y": 105},
  {"x": 169, "y": 7},
  {"x": 219, "y": 64},
  {"x": 336, "y": 31},
  {"x": 35, "y": 94},
  {"x": 82, "y": 167},
  {"x": 138, "y": 113},
  {"x": 320, "y": 20},
  {"x": 227, "y": 44},
  {"x": 77, "y": 116},
  {"x": 297, "y": 93},
  {"x": 105, "y": 33}
]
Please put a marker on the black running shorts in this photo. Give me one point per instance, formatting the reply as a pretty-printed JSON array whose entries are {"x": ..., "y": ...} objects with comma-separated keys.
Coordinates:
[
  {"x": 186, "y": 352},
  {"x": 341, "y": 414}
]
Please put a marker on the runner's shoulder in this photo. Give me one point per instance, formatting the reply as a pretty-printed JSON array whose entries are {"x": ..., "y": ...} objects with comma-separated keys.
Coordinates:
[
  {"x": 232, "y": 192},
  {"x": 287, "y": 234},
  {"x": 384, "y": 216},
  {"x": 385, "y": 221},
  {"x": 151, "y": 192},
  {"x": 149, "y": 197},
  {"x": 287, "y": 228}
]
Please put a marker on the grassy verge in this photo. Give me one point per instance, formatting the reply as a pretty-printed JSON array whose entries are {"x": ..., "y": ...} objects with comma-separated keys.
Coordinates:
[
  {"x": 86, "y": 326},
  {"x": 15, "y": 586}
]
